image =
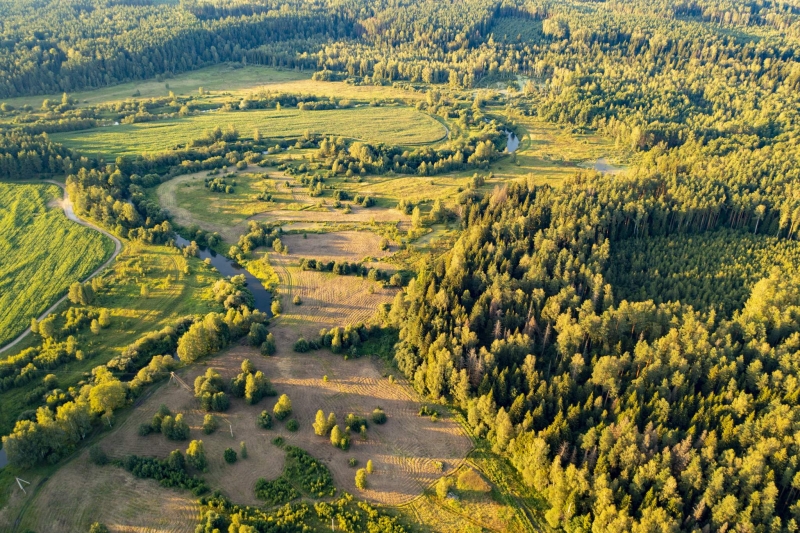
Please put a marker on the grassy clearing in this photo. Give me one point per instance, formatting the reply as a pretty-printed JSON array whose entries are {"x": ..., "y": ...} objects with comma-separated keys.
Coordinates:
[
  {"x": 42, "y": 254},
  {"x": 223, "y": 79},
  {"x": 392, "y": 125},
  {"x": 173, "y": 294},
  {"x": 550, "y": 153}
]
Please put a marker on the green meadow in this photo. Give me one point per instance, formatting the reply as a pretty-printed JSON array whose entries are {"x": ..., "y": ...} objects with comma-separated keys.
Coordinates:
[
  {"x": 41, "y": 254},
  {"x": 395, "y": 125}
]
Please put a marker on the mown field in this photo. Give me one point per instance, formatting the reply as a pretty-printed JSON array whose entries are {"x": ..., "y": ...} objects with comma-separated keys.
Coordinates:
[
  {"x": 41, "y": 254},
  {"x": 393, "y": 125}
]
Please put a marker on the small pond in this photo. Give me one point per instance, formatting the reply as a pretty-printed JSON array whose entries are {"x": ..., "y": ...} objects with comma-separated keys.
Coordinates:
[
  {"x": 229, "y": 268},
  {"x": 512, "y": 141}
]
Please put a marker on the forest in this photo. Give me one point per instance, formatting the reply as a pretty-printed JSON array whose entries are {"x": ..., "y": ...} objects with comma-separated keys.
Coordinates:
[{"x": 422, "y": 190}]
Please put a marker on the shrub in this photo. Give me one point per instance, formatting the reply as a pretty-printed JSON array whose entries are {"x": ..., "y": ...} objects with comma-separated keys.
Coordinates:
[
  {"x": 292, "y": 425},
  {"x": 370, "y": 467},
  {"x": 283, "y": 408},
  {"x": 97, "y": 527},
  {"x": 230, "y": 456},
  {"x": 353, "y": 462},
  {"x": 443, "y": 487},
  {"x": 210, "y": 424},
  {"x": 243, "y": 450},
  {"x": 98, "y": 456},
  {"x": 361, "y": 479},
  {"x": 268, "y": 346},
  {"x": 297, "y": 300},
  {"x": 265, "y": 420},
  {"x": 196, "y": 455},
  {"x": 379, "y": 416}
]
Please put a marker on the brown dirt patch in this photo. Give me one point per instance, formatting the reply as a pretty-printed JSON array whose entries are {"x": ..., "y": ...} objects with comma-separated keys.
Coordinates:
[{"x": 336, "y": 246}]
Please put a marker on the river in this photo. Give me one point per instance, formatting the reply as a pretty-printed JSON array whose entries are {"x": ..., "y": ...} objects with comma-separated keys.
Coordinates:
[{"x": 228, "y": 268}]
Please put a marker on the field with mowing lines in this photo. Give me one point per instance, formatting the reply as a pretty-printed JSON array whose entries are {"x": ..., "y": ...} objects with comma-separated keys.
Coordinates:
[
  {"x": 111, "y": 496},
  {"x": 41, "y": 254},
  {"x": 404, "y": 450},
  {"x": 336, "y": 246},
  {"x": 173, "y": 294},
  {"x": 391, "y": 125}
]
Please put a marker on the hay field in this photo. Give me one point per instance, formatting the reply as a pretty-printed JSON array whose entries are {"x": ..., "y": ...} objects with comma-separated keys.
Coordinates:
[
  {"x": 336, "y": 246},
  {"x": 391, "y": 125},
  {"x": 111, "y": 496}
]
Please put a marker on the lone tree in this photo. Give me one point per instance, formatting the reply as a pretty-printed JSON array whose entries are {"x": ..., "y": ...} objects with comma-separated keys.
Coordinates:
[
  {"x": 196, "y": 455},
  {"x": 361, "y": 479},
  {"x": 283, "y": 408},
  {"x": 229, "y": 455}
]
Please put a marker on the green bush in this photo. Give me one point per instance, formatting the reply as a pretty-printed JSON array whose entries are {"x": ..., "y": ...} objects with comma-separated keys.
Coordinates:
[{"x": 230, "y": 455}]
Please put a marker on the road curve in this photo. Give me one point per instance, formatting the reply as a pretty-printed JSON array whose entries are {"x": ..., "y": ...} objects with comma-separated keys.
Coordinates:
[{"x": 66, "y": 204}]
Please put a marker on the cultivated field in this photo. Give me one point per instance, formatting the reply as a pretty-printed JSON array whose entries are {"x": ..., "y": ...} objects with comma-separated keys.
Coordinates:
[
  {"x": 391, "y": 125},
  {"x": 42, "y": 254}
]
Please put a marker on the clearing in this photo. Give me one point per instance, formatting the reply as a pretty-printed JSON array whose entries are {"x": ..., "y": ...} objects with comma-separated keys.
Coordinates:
[{"x": 391, "y": 125}]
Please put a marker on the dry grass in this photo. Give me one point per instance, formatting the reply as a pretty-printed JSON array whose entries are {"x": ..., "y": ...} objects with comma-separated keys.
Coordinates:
[
  {"x": 338, "y": 246},
  {"x": 80, "y": 493}
]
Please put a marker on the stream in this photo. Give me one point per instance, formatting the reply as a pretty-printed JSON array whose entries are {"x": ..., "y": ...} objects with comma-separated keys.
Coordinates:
[
  {"x": 228, "y": 268},
  {"x": 3, "y": 458}
]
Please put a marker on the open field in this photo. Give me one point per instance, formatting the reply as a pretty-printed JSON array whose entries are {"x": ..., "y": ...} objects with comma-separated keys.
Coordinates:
[
  {"x": 173, "y": 294},
  {"x": 111, "y": 496},
  {"x": 221, "y": 78},
  {"x": 391, "y": 125},
  {"x": 42, "y": 253},
  {"x": 350, "y": 246},
  {"x": 220, "y": 82}
]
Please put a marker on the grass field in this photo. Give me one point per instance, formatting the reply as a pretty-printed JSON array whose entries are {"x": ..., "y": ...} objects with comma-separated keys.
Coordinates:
[
  {"x": 219, "y": 78},
  {"x": 391, "y": 125},
  {"x": 173, "y": 294},
  {"x": 220, "y": 82},
  {"x": 41, "y": 254}
]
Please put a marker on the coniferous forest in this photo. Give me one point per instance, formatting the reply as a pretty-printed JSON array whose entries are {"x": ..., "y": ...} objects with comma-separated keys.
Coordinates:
[{"x": 622, "y": 347}]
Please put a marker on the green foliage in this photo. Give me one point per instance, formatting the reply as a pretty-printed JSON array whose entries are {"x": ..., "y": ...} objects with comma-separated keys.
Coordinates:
[
  {"x": 361, "y": 479},
  {"x": 265, "y": 420},
  {"x": 276, "y": 492},
  {"x": 283, "y": 408},
  {"x": 230, "y": 455},
  {"x": 378, "y": 416},
  {"x": 210, "y": 424},
  {"x": 167, "y": 473},
  {"x": 292, "y": 425},
  {"x": 196, "y": 455}
]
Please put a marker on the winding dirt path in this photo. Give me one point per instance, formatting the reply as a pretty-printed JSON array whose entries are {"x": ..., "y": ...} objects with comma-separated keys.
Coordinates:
[{"x": 66, "y": 205}]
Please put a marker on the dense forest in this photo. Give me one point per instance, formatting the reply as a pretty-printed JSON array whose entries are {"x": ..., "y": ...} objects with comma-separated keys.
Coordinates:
[{"x": 626, "y": 415}]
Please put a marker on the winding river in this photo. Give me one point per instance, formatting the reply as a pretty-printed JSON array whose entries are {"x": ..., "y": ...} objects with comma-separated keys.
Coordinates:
[{"x": 227, "y": 267}]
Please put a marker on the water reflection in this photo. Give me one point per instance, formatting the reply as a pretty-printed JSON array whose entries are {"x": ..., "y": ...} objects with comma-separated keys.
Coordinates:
[{"x": 228, "y": 268}]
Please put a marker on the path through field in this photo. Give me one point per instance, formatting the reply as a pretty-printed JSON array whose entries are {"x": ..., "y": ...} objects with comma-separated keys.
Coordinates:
[{"x": 66, "y": 205}]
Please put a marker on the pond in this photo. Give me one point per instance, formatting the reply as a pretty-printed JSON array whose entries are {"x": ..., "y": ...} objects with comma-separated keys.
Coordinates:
[
  {"x": 229, "y": 268},
  {"x": 3, "y": 458},
  {"x": 512, "y": 141},
  {"x": 604, "y": 166}
]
